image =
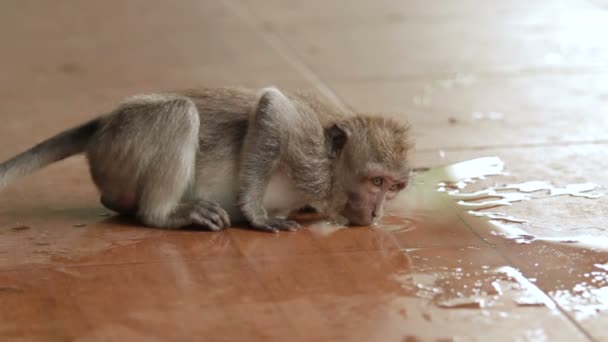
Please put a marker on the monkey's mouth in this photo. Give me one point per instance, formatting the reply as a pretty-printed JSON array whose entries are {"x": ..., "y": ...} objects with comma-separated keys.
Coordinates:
[{"x": 358, "y": 216}]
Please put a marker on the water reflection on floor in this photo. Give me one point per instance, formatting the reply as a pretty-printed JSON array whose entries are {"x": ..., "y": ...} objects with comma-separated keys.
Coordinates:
[{"x": 449, "y": 254}]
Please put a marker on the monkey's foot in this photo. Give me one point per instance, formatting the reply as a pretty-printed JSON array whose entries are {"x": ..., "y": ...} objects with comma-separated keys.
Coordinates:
[
  {"x": 275, "y": 224},
  {"x": 204, "y": 213}
]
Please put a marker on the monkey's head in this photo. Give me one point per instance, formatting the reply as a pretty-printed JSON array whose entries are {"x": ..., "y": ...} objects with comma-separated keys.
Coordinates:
[{"x": 371, "y": 156}]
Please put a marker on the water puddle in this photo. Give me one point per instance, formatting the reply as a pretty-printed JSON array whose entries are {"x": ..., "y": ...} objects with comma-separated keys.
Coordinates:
[
  {"x": 458, "y": 194},
  {"x": 452, "y": 180},
  {"x": 489, "y": 288}
]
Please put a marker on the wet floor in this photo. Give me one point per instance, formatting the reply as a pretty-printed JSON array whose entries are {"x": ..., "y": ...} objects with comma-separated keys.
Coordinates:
[
  {"x": 442, "y": 257},
  {"x": 502, "y": 234}
]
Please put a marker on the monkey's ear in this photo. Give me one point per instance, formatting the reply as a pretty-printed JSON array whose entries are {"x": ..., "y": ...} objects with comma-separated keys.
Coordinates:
[{"x": 335, "y": 137}]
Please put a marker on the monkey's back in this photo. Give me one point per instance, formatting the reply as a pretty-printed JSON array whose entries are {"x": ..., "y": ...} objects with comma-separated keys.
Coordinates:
[{"x": 224, "y": 116}]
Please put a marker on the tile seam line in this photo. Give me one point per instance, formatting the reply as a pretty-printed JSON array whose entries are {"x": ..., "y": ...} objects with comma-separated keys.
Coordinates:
[
  {"x": 487, "y": 74},
  {"x": 285, "y": 51},
  {"x": 275, "y": 300},
  {"x": 511, "y": 146},
  {"x": 36, "y": 267}
]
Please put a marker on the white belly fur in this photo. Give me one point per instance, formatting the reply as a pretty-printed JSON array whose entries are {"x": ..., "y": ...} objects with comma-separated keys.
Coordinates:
[
  {"x": 281, "y": 196},
  {"x": 220, "y": 184}
]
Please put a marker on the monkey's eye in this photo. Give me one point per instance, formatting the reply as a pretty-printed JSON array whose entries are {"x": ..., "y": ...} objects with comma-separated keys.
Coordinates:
[
  {"x": 397, "y": 187},
  {"x": 377, "y": 181}
]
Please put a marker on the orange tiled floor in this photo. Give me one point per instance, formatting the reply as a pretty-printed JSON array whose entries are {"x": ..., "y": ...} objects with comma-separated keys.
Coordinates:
[{"x": 525, "y": 81}]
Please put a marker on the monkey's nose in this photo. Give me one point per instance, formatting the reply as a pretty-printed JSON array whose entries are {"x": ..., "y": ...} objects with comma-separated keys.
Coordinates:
[{"x": 375, "y": 215}]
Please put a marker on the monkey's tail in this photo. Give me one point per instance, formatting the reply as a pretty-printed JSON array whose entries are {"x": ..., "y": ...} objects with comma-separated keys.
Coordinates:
[{"x": 61, "y": 146}]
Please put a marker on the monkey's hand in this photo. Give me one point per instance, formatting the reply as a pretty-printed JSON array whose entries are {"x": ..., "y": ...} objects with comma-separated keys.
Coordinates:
[
  {"x": 204, "y": 213},
  {"x": 273, "y": 225}
]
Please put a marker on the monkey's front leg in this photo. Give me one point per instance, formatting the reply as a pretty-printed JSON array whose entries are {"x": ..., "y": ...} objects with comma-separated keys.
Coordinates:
[{"x": 261, "y": 154}]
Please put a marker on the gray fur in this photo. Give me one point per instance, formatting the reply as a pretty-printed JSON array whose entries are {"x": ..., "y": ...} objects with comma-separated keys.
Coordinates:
[
  {"x": 206, "y": 157},
  {"x": 57, "y": 148}
]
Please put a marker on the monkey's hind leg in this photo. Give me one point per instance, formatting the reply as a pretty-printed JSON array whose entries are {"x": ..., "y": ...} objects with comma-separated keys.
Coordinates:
[
  {"x": 171, "y": 171},
  {"x": 151, "y": 143},
  {"x": 117, "y": 207}
]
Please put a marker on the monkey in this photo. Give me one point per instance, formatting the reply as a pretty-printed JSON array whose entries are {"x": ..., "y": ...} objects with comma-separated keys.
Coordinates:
[{"x": 214, "y": 156}]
